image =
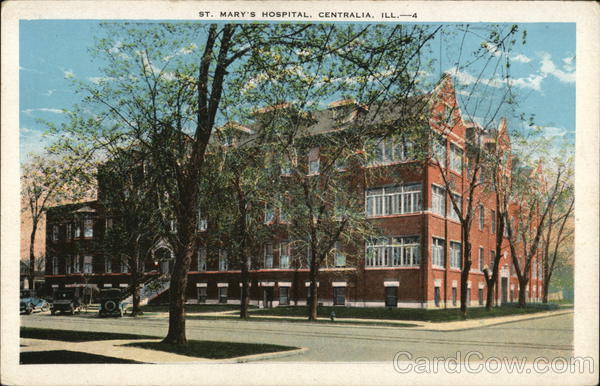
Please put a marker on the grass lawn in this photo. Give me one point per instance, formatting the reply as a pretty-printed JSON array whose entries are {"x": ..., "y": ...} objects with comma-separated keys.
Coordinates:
[
  {"x": 258, "y": 318},
  {"x": 429, "y": 315},
  {"x": 213, "y": 350},
  {"x": 75, "y": 336},
  {"x": 66, "y": 357},
  {"x": 194, "y": 307}
]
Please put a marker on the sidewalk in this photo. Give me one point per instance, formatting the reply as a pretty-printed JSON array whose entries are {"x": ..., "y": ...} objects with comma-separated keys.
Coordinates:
[
  {"x": 117, "y": 349},
  {"x": 416, "y": 324}
]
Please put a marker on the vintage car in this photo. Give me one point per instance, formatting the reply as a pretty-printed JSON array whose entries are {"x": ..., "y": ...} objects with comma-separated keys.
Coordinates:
[
  {"x": 66, "y": 300},
  {"x": 111, "y": 302},
  {"x": 30, "y": 302}
]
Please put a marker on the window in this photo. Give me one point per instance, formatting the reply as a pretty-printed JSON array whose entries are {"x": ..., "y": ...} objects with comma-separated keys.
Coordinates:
[
  {"x": 202, "y": 259},
  {"x": 438, "y": 200},
  {"x": 283, "y": 211},
  {"x": 286, "y": 168},
  {"x": 339, "y": 296},
  {"x": 481, "y": 262},
  {"x": 468, "y": 296},
  {"x": 69, "y": 232},
  {"x": 202, "y": 222},
  {"x": 493, "y": 221},
  {"x": 480, "y": 296},
  {"x": 391, "y": 296},
  {"x": 492, "y": 259},
  {"x": 340, "y": 164},
  {"x": 222, "y": 294},
  {"x": 454, "y": 215},
  {"x": 202, "y": 295},
  {"x": 268, "y": 255},
  {"x": 340, "y": 257},
  {"x": 456, "y": 161},
  {"x": 284, "y": 296},
  {"x": 87, "y": 264},
  {"x": 393, "y": 252},
  {"x": 68, "y": 264},
  {"x": 54, "y": 232},
  {"x": 437, "y": 252},
  {"x": 439, "y": 148},
  {"x": 436, "y": 296},
  {"x": 481, "y": 217},
  {"x": 77, "y": 230},
  {"x": 173, "y": 226},
  {"x": 284, "y": 255},
  {"x": 455, "y": 255},
  {"x": 88, "y": 228},
  {"x": 55, "y": 265},
  {"x": 107, "y": 264},
  {"x": 223, "y": 266},
  {"x": 76, "y": 268},
  {"x": 393, "y": 200},
  {"x": 386, "y": 150},
  {"x": 453, "y": 296},
  {"x": 269, "y": 214},
  {"x": 124, "y": 266},
  {"x": 313, "y": 161}
]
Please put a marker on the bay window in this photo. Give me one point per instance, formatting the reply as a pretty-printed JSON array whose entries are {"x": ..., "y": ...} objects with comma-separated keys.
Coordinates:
[
  {"x": 393, "y": 252},
  {"x": 391, "y": 200}
]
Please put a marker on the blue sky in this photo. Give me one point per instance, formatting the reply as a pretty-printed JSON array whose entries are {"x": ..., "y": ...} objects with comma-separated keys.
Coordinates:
[{"x": 54, "y": 52}]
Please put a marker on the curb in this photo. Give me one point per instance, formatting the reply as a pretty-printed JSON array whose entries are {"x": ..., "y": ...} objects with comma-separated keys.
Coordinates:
[
  {"x": 499, "y": 322},
  {"x": 259, "y": 357}
]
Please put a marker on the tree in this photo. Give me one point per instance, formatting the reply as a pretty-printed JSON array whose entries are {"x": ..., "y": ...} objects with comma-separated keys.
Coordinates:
[
  {"x": 532, "y": 200},
  {"x": 557, "y": 239},
  {"x": 48, "y": 181}
]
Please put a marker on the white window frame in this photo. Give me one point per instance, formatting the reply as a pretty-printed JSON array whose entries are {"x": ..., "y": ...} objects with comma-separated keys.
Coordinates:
[
  {"x": 202, "y": 259},
  {"x": 55, "y": 232},
  {"x": 268, "y": 255},
  {"x": 269, "y": 214},
  {"x": 438, "y": 200},
  {"x": 438, "y": 252},
  {"x": 107, "y": 264},
  {"x": 481, "y": 217},
  {"x": 69, "y": 231},
  {"x": 88, "y": 264},
  {"x": 456, "y": 158},
  {"x": 481, "y": 258},
  {"x": 393, "y": 200},
  {"x": 76, "y": 265},
  {"x": 454, "y": 215},
  {"x": 223, "y": 263},
  {"x": 313, "y": 167},
  {"x": 55, "y": 265},
  {"x": 455, "y": 255},
  {"x": 394, "y": 251},
  {"x": 284, "y": 258},
  {"x": 88, "y": 228},
  {"x": 492, "y": 221},
  {"x": 340, "y": 257}
]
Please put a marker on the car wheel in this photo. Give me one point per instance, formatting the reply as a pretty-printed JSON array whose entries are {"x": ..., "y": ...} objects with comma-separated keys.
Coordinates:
[
  {"x": 28, "y": 309},
  {"x": 52, "y": 312}
]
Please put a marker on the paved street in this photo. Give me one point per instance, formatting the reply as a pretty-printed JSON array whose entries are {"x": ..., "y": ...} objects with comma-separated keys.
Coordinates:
[{"x": 550, "y": 337}]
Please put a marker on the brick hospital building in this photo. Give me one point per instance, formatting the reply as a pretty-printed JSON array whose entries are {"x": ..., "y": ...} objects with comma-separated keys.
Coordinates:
[{"x": 415, "y": 263}]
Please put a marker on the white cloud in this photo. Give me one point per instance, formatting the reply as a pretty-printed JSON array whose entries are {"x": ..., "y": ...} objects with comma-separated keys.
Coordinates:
[
  {"x": 549, "y": 68},
  {"x": 465, "y": 78},
  {"x": 520, "y": 58},
  {"x": 533, "y": 81},
  {"x": 43, "y": 109},
  {"x": 68, "y": 74}
]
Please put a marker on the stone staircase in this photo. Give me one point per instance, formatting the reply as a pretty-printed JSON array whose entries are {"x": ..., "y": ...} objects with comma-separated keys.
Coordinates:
[{"x": 151, "y": 289}]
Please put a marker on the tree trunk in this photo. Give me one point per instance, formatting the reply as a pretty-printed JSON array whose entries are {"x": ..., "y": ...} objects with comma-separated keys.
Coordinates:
[
  {"x": 135, "y": 284},
  {"x": 245, "y": 298},
  {"x": 176, "y": 334},
  {"x": 522, "y": 294},
  {"x": 545, "y": 292},
  {"x": 489, "y": 299},
  {"x": 314, "y": 300},
  {"x": 464, "y": 276},
  {"x": 31, "y": 273}
]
